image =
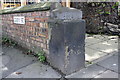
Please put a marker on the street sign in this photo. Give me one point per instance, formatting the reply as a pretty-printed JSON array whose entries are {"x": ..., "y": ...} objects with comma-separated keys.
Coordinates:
[{"x": 19, "y": 19}]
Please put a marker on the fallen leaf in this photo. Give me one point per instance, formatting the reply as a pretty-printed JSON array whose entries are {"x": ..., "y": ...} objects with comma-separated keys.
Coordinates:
[{"x": 18, "y": 73}]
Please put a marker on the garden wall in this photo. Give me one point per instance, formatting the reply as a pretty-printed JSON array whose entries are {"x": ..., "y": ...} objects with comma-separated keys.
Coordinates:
[
  {"x": 60, "y": 33},
  {"x": 33, "y": 34}
]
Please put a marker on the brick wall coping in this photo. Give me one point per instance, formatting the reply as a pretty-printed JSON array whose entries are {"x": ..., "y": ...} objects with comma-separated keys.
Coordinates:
[{"x": 28, "y": 8}]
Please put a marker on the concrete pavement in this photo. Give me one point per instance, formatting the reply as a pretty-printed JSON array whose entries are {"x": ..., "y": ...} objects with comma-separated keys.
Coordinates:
[
  {"x": 107, "y": 68},
  {"x": 101, "y": 51},
  {"x": 15, "y": 64}
]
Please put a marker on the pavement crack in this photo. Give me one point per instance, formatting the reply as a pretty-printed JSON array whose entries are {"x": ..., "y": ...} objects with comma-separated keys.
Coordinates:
[
  {"x": 99, "y": 74},
  {"x": 107, "y": 68},
  {"x": 57, "y": 70}
]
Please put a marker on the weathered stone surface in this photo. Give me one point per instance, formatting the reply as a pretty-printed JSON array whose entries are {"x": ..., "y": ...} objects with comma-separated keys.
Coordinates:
[
  {"x": 28, "y": 8},
  {"x": 65, "y": 13},
  {"x": 66, "y": 46}
]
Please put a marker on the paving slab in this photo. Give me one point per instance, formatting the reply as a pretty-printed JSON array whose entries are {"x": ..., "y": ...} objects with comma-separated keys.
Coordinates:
[
  {"x": 113, "y": 41},
  {"x": 1, "y": 49},
  {"x": 5, "y": 60},
  {"x": 98, "y": 38},
  {"x": 97, "y": 48},
  {"x": 89, "y": 72},
  {"x": 1, "y": 53},
  {"x": 14, "y": 59},
  {"x": 35, "y": 70},
  {"x": 15, "y": 64},
  {"x": 91, "y": 54},
  {"x": 108, "y": 74},
  {"x": 106, "y": 46},
  {"x": 91, "y": 40},
  {"x": 104, "y": 37},
  {"x": 110, "y": 63}
]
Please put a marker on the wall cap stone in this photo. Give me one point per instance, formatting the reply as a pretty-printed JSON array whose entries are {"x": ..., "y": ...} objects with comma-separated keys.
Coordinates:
[{"x": 28, "y": 8}]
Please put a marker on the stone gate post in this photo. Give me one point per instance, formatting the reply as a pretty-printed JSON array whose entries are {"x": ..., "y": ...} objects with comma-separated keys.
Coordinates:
[{"x": 67, "y": 40}]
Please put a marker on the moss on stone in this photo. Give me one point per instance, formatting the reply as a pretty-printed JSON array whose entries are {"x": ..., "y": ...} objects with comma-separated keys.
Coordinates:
[{"x": 28, "y": 8}]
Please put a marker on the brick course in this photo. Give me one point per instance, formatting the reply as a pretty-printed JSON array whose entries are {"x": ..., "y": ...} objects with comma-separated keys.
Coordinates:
[{"x": 33, "y": 34}]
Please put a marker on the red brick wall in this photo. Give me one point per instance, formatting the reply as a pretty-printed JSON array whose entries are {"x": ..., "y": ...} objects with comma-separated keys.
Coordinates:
[{"x": 33, "y": 34}]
